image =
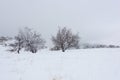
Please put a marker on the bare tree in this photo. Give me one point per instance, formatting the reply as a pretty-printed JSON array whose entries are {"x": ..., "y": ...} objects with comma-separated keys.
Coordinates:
[
  {"x": 33, "y": 42},
  {"x": 29, "y": 40},
  {"x": 18, "y": 43},
  {"x": 65, "y": 39}
]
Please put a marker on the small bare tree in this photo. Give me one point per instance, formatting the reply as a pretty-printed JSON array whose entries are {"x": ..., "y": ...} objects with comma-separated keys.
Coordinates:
[
  {"x": 65, "y": 39},
  {"x": 29, "y": 40},
  {"x": 33, "y": 42},
  {"x": 18, "y": 43}
]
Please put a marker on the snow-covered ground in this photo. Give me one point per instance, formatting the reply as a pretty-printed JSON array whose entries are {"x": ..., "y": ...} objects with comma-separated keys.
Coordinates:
[{"x": 83, "y": 64}]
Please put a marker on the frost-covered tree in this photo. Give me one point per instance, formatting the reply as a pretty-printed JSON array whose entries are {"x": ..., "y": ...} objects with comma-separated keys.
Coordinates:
[
  {"x": 18, "y": 43},
  {"x": 65, "y": 39},
  {"x": 29, "y": 40},
  {"x": 33, "y": 41}
]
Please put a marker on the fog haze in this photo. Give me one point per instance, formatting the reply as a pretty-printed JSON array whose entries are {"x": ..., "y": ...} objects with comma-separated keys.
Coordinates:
[{"x": 97, "y": 21}]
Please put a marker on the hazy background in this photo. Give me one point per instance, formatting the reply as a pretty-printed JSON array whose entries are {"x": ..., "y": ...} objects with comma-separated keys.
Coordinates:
[{"x": 97, "y": 21}]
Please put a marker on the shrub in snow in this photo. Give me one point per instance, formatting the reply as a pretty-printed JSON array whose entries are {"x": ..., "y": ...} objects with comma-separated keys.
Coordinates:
[
  {"x": 4, "y": 40},
  {"x": 65, "y": 39}
]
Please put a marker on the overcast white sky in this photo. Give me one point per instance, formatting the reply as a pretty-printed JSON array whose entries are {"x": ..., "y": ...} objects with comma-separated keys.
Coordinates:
[{"x": 95, "y": 20}]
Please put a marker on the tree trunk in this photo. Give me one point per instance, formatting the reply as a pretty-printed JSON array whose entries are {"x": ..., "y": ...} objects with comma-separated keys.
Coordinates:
[
  {"x": 63, "y": 49},
  {"x": 18, "y": 51}
]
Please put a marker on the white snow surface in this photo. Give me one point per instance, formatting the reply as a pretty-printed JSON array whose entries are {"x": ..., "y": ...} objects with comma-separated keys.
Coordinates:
[{"x": 82, "y": 64}]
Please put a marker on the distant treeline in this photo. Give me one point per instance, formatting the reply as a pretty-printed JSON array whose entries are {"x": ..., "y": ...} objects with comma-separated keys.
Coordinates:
[{"x": 86, "y": 46}]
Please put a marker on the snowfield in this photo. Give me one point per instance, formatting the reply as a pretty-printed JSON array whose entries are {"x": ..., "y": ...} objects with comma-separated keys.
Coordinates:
[{"x": 83, "y": 64}]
